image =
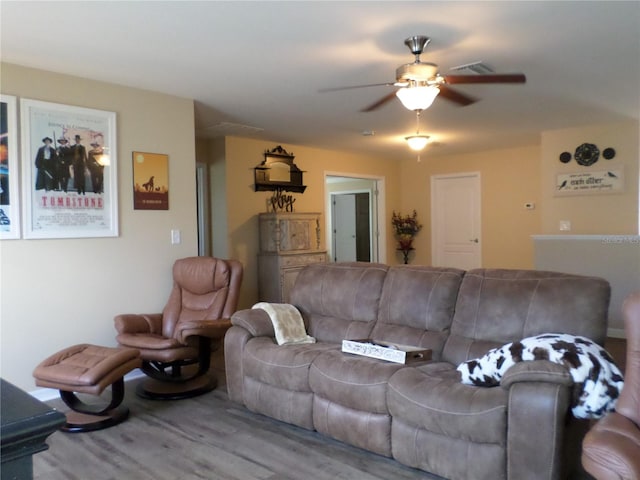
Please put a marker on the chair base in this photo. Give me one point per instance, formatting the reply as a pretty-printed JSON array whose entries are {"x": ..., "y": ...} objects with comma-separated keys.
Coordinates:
[
  {"x": 152, "y": 389},
  {"x": 83, "y": 422}
]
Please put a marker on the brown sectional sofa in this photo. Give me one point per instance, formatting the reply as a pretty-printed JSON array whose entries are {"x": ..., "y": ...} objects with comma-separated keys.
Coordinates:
[{"x": 420, "y": 414}]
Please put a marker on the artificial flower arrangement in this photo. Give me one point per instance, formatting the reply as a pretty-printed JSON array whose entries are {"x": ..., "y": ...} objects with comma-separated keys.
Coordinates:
[{"x": 405, "y": 227}]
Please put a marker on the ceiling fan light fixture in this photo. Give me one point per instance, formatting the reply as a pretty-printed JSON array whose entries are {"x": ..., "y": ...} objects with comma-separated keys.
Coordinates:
[
  {"x": 418, "y": 98},
  {"x": 417, "y": 142}
]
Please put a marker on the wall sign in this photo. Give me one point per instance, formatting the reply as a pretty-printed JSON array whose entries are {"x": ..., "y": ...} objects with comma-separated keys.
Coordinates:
[{"x": 589, "y": 183}]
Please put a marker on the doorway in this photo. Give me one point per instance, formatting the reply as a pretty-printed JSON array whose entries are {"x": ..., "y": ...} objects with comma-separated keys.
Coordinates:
[
  {"x": 353, "y": 229},
  {"x": 455, "y": 224},
  {"x": 202, "y": 187}
]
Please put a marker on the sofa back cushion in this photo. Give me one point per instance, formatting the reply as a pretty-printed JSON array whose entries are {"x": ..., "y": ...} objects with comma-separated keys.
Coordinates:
[
  {"x": 339, "y": 300},
  {"x": 498, "y": 306},
  {"x": 417, "y": 305}
]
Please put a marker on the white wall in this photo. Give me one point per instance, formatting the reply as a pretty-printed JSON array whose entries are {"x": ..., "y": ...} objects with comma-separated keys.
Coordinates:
[
  {"x": 615, "y": 258},
  {"x": 57, "y": 293}
]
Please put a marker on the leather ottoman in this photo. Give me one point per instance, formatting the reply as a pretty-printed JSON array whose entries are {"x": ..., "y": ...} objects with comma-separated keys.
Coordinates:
[{"x": 89, "y": 369}]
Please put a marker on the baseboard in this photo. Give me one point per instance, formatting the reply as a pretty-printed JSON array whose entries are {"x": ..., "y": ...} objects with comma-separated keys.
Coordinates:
[
  {"x": 48, "y": 394},
  {"x": 616, "y": 333}
]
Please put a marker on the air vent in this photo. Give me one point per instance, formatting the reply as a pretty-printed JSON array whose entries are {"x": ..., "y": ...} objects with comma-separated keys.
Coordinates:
[{"x": 475, "y": 67}]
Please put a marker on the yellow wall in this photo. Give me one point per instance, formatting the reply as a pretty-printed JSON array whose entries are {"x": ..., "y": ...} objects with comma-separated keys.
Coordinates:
[
  {"x": 241, "y": 155},
  {"x": 509, "y": 179},
  {"x": 610, "y": 214},
  {"x": 56, "y": 293}
]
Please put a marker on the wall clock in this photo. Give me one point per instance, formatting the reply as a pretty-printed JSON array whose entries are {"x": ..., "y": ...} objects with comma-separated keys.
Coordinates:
[{"x": 587, "y": 154}]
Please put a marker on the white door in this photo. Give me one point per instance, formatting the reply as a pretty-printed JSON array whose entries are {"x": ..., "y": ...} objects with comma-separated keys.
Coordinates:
[
  {"x": 455, "y": 220},
  {"x": 344, "y": 228}
]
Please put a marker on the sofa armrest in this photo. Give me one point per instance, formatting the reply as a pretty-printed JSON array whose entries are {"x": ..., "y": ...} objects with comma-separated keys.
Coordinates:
[
  {"x": 134, "y": 323},
  {"x": 255, "y": 321},
  {"x": 536, "y": 371},
  {"x": 537, "y": 415},
  {"x": 213, "y": 329}
]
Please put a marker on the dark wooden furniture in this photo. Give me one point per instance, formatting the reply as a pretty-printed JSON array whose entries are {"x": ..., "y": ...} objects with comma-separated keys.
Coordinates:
[{"x": 26, "y": 424}]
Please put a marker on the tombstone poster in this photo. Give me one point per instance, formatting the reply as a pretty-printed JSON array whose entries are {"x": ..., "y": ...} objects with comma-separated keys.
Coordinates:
[{"x": 69, "y": 160}]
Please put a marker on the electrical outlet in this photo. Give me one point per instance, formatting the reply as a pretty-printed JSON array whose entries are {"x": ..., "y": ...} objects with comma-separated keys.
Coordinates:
[
  {"x": 565, "y": 225},
  {"x": 175, "y": 237}
]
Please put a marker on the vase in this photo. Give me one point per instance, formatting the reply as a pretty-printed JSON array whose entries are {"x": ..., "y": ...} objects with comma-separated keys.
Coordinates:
[
  {"x": 405, "y": 245},
  {"x": 405, "y": 241}
]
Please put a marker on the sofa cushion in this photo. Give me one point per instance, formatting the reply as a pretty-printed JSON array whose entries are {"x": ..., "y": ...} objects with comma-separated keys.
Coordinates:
[
  {"x": 432, "y": 398},
  {"x": 359, "y": 383},
  {"x": 447, "y": 457},
  {"x": 339, "y": 301},
  {"x": 371, "y": 431},
  {"x": 417, "y": 306},
  {"x": 279, "y": 403},
  {"x": 498, "y": 306},
  {"x": 286, "y": 366}
]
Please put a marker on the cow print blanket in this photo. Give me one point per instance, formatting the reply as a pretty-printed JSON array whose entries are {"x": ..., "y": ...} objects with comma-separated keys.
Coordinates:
[{"x": 597, "y": 379}]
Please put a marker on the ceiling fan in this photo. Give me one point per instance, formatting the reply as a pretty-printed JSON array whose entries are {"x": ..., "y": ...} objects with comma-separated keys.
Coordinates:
[{"x": 420, "y": 82}]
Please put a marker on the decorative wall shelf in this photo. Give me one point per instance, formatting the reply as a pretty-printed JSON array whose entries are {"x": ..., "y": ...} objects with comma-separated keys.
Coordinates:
[{"x": 278, "y": 172}]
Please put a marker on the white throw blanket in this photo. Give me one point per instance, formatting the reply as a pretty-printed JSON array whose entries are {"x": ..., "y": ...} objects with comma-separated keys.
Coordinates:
[{"x": 287, "y": 323}]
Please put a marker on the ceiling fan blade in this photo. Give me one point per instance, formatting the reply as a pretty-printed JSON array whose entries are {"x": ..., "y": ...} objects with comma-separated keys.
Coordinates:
[
  {"x": 337, "y": 89},
  {"x": 379, "y": 103},
  {"x": 454, "y": 96},
  {"x": 486, "y": 78}
]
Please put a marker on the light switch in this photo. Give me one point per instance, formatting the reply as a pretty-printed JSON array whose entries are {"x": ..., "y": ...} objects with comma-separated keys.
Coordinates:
[{"x": 175, "y": 237}]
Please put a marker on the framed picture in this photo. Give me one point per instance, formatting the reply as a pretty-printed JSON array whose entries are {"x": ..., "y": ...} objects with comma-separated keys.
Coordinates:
[
  {"x": 150, "y": 181},
  {"x": 9, "y": 170},
  {"x": 69, "y": 164}
]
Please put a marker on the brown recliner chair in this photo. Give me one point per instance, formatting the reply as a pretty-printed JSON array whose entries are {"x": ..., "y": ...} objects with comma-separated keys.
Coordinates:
[
  {"x": 176, "y": 345},
  {"x": 611, "y": 449}
]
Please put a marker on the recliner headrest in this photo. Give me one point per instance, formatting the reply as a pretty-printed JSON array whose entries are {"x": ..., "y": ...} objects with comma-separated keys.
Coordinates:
[{"x": 195, "y": 274}]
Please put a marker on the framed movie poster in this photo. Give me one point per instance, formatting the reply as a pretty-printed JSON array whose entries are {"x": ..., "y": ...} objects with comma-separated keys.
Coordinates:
[
  {"x": 150, "y": 181},
  {"x": 69, "y": 164},
  {"x": 9, "y": 193}
]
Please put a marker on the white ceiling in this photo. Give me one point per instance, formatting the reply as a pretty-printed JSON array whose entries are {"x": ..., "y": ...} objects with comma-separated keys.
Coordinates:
[{"x": 254, "y": 68}]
